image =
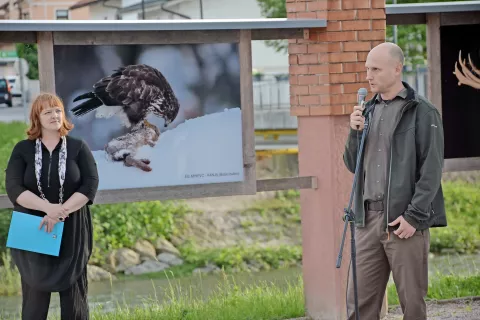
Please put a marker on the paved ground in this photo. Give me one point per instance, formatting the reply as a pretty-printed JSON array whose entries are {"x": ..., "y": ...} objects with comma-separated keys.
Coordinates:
[
  {"x": 460, "y": 309},
  {"x": 454, "y": 310},
  {"x": 15, "y": 113}
]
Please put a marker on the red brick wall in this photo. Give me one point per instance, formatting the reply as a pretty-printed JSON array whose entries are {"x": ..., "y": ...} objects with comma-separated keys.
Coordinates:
[{"x": 328, "y": 68}]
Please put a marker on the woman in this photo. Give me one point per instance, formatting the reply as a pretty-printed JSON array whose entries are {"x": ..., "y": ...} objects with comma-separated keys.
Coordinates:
[{"x": 54, "y": 176}]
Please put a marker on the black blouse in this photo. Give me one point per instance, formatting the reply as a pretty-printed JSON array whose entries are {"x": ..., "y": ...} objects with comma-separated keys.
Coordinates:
[{"x": 44, "y": 272}]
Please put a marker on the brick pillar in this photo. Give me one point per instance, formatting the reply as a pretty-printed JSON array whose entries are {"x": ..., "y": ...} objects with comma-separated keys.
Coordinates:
[{"x": 326, "y": 72}]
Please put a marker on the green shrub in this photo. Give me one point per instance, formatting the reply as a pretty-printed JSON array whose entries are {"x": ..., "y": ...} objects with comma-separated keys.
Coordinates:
[
  {"x": 241, "y": 256},
  {"x": 283, "y": 208},
  {"x": 121, "y": 225},
  {"x": 288, "y": 194},
  {"x": 462, "y": 204},
  {"x": 462, "y": 201},
  {"x": 10, "y": 282},
  {"x": 5, "y": 217},
  {"x": 10, "y": 134}
]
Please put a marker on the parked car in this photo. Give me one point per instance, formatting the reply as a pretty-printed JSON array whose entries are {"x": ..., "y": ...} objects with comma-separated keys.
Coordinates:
[
  {"x": 5, "y": 92},
  {"x": 14, "y": 83}
]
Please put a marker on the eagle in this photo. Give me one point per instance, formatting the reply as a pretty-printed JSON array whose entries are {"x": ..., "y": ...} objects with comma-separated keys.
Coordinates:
[{"x": 132, "y": 93}]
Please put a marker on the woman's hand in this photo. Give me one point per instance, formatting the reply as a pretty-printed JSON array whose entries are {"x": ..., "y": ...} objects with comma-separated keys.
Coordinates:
[
  {"x": 49, "y": 223},
  {"x": 56, "y": 211},
  {"x": 74, "y": 203}
]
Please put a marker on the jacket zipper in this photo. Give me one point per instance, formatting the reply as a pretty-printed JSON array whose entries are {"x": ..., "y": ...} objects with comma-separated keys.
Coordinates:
[
  {"x": 390, "y": 166},
  {"x": 367, "y": 105},
  {"x": 366, "y": 137}
]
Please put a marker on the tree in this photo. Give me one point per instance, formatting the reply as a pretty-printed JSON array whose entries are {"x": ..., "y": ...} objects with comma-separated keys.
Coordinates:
[
  {"x": 411, "y": 38},
  {"x": 29, "y": 53},
  {"x": 274, "y": 9}
]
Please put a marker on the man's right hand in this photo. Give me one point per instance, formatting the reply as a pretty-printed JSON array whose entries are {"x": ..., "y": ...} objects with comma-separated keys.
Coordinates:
[{"x": 357, "y": 121}]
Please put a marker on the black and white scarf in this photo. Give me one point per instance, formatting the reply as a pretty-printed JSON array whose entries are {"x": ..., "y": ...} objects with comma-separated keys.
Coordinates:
[{"x": 62, "y": 165}]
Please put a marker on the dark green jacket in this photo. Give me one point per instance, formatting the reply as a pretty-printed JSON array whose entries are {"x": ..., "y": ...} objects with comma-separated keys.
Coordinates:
[{"x": 413, "y": 187}]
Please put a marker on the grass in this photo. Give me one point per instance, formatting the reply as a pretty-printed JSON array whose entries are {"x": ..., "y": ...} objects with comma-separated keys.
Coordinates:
[
  {"x": 9, "y": 277},
  {"x": 266, "y": 301},
  {"x": 181, "y": 271},
  {"x": 231, "y": 301},
  {"x": 228, "y": 301},
  {"x": 443, "y": 287}
]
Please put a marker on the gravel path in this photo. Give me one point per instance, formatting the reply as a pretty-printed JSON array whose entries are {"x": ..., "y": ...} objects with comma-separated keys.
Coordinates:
[
  {"x": 461, "y": 309},
  {"x": 455, "y": 309}
]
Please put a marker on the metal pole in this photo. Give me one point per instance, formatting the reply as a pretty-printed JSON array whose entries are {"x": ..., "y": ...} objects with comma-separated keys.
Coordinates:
[
  {"x": 395, "y": 36},
  {"x": 201, "y": 9},
  {"x": 22, "y": 89},
  {"x": 143, "y": 9}
]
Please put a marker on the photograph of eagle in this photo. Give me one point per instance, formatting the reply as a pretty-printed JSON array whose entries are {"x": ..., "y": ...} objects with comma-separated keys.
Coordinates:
[{"x": 131, "y": 93}]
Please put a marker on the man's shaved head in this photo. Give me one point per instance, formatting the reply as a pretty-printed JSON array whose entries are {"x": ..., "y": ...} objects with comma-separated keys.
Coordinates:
[
  {"x": 396, "y": 52},
  {"x": 384, "y": 67},
  {"x": 391, "y": 49}
]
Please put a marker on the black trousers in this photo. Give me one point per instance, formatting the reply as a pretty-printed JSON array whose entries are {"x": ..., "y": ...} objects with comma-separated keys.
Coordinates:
[{"x": 73, "y": 302}]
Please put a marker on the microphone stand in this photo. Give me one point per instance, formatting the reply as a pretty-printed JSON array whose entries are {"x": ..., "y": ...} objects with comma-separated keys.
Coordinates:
[{"x": 349, "y": 217}]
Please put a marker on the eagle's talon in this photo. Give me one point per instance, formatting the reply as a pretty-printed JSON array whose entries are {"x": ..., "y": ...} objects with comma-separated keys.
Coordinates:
[
  {"x": 132, "y": 162},
  {"x": 148, "y": 124},
  {"x": 125, "y": 147}
]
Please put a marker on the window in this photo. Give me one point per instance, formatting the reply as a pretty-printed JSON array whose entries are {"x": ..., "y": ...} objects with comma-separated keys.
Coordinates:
[{"x": 61, "y": 14}]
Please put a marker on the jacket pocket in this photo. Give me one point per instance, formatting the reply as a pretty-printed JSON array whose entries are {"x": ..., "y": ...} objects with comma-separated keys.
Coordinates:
[{"x": 405, "y": 130}]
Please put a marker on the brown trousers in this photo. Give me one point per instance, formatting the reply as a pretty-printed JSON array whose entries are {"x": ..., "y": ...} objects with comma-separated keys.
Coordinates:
[{"x": 377, "y": 255}]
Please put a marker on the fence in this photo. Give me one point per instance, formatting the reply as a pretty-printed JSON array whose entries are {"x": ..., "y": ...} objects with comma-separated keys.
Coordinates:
[
  {"x": 274, "y": 93},
  {"x": 271, "y": 94},
  {"x": 418, "y": 79}
]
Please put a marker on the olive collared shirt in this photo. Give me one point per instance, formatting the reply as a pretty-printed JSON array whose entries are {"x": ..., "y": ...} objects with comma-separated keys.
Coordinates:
[{"x": 378, "y": 145}]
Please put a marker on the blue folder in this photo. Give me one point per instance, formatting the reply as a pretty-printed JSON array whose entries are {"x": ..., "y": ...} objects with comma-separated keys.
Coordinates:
[{"x": 24, "y": 234}]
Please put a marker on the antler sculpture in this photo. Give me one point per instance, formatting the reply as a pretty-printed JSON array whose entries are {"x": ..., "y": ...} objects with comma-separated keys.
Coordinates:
[{"x": 469, "y": 78}]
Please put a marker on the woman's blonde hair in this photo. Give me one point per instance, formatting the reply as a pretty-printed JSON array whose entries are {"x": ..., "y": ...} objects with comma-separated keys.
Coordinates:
[{"x": 44, "y": 101}]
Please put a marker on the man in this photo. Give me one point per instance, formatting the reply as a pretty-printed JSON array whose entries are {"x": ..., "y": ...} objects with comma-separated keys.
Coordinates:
[{"x": 398, "y": 195}]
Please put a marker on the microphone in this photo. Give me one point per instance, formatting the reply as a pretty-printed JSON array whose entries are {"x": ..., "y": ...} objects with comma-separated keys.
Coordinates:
[{"x": 361, "y": 95}]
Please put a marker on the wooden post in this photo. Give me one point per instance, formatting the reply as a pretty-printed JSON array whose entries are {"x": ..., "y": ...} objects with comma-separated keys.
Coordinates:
[
  {"x": 434, "y": 60},
  {"x": 246, "y": 88},
  {"x": 326, "y": 71},
  {"x": 46, "y": 68}
]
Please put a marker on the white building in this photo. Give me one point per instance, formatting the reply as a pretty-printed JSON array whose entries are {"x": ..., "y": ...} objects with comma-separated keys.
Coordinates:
[{"x": 265, "y": 59}]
